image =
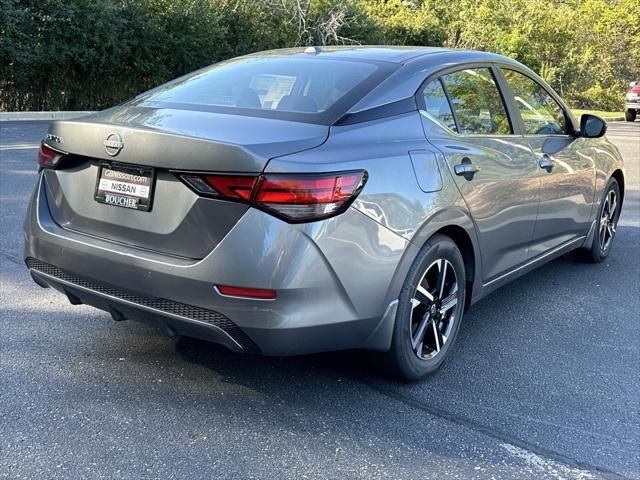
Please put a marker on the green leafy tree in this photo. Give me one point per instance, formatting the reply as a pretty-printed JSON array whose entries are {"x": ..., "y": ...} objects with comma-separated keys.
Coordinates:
[{"x": 91, "y": 54}]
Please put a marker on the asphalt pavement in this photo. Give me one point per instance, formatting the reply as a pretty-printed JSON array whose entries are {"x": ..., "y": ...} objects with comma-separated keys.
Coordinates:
[{"x": 544, "y": 381}]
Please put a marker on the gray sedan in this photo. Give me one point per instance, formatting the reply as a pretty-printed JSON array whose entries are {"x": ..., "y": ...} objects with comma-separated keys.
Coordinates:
[{"x": 307, "y": 200}]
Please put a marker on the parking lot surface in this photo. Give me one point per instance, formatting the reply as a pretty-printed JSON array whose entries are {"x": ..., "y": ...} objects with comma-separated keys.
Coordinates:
[{"x": 544, "y": 381}]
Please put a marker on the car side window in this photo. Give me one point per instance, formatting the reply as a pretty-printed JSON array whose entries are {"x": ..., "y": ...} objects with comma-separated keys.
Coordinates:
[
  {"x": 437, "y": 105},
  {"x": 476, "y": 102},
  {"x": 541, "y": 114}
]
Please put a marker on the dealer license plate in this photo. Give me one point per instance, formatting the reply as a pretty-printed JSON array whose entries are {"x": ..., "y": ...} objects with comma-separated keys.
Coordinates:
[{"x": 124, "y": 185}]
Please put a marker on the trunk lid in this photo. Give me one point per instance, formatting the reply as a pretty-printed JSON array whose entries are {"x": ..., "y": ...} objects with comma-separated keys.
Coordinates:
[
  {"x": 187, "y": 139},
  {"x": 180, "y": 222}
]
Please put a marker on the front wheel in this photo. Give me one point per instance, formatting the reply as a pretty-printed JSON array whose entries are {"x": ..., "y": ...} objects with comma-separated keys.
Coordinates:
[
  {"x": 606, "y": 224},
  {"x": 630, "y": 115},
  {"x": 430, "y": 309}
]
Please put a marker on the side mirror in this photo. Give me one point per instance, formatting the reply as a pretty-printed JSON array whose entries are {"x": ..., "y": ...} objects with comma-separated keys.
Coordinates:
[
  {"x": 592, "y": 126},
  {"x": 633, "y": 84}
]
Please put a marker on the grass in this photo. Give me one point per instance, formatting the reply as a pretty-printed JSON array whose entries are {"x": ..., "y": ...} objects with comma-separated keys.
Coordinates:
[{"x": 600, "y": 113}]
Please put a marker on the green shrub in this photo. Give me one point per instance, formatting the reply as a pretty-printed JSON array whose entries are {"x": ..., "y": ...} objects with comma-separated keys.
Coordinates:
[{"x": 91, "y": 54}]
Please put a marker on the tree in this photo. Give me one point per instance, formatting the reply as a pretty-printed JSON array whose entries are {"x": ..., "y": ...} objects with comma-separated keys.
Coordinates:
[{"x": 90, "y": 54}]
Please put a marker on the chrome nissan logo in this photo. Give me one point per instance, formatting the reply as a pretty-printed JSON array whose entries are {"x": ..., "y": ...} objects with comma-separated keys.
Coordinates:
[{"x": 113, "y": 144}]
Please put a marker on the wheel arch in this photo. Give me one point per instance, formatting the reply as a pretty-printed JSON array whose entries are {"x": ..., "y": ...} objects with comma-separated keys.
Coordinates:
[
  {"x": 619, "y": 176},
  {"x": 457, "y": 224},
  {"x": 463, "y": 241}
]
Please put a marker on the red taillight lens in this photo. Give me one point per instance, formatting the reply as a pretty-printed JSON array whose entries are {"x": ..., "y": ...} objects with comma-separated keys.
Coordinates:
[
  {"x": 48, "y": 157},
  {"x": 292, "y": 197},
  {"x": 259, "y": 293},
  {"x": 299, "y": 190},
  {"x": 232, "y": 187},
  {"x": 301, "y": 198}
]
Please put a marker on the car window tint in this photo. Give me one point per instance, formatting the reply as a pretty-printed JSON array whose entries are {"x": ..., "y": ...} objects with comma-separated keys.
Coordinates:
[
  {"x": 476, "y": 102},
  {"x": 287, "y": 84},
  {"x": 541, "y": 114},
  {"x": 437, "y": 105}
]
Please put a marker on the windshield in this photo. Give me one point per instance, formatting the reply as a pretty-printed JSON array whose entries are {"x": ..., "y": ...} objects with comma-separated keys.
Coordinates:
[{"x": 293, "y": 87}]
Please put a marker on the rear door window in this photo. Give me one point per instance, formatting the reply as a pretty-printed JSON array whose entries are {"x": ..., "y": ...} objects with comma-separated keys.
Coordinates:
[{"x": 477, "y": 105}]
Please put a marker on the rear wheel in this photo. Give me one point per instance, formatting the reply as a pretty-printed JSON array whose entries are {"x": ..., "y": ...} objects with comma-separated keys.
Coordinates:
[
  {"x": 630, "y": 115},
  {"x": 429, "y": 311},
  {"x": 606, "y": 224}
]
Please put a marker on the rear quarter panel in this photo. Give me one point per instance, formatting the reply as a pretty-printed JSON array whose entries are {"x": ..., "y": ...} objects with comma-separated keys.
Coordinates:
[{"x": 405, "y": 216}]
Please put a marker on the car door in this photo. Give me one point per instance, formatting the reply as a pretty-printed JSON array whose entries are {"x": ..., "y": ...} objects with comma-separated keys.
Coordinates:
[
  {"x": 566, "y": 164},
  {"x": 465, "y": 117}
]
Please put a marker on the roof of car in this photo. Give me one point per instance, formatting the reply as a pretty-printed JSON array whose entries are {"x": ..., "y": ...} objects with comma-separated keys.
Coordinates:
[
  {"x": 395, "y": 54},
  {"x": 415, "y": 63},
  {"x": 389, "y": 53}
]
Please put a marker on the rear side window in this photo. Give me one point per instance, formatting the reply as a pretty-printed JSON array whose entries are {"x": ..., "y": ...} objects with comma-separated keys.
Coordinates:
[
  {"x": 437, "y": 105},
  {"x": 541, "y": 114},
  {"x": 476, "y": 102}
]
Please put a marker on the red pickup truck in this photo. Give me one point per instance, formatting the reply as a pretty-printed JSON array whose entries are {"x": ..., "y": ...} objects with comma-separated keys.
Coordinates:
[{"x": 632, "y": 102}]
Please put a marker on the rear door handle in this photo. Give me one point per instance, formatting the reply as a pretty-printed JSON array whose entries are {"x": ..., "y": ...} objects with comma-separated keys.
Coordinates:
[
  {"x": 466, "y": 168},
  {"x": 546, "y": 163}
]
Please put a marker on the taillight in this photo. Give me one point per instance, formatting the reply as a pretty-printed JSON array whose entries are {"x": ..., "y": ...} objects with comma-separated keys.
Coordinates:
[
  {"x": 233, "y": 187},
  {"x": 293, "y": 197},
  {"x": 48, "y": 157},
  {"x": 300, "y": 198}
]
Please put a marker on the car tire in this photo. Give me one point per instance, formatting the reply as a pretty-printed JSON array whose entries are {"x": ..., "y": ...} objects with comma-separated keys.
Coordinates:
[
  {"x": 606, "y": 224},
  {"x": 434, "y": 310},
  {"x": 630, "y": 115}
]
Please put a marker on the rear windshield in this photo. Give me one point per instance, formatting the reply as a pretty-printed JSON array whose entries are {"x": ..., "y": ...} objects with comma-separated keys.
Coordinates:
[{"x": 299, "y": 88}]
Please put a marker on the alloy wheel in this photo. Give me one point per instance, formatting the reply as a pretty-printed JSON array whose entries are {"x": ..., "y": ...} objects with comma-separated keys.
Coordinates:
[
  {"x": 433, "y": 309},
  {"x": 608, "y": 220}
]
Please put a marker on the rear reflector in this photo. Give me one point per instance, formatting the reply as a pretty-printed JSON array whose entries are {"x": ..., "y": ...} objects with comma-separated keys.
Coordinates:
[
  {"x": 48, "y": 157},
  {"x": 293, "y": 197},
  {"x": 259, "y": 293}
]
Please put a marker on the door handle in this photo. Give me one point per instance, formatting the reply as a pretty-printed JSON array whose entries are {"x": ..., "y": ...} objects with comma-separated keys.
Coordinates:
[
  {"x": 466, "y": 169},
  {"x": 546, "y": 163}
]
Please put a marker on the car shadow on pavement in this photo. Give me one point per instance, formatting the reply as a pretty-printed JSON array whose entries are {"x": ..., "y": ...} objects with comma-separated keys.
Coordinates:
[{"x": 238, "y": 366}]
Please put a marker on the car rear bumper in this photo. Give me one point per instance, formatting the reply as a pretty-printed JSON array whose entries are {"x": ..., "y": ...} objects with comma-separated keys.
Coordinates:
[
  {"x": 176, "y": 318},
  {"x": 319, "y": 305}
]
